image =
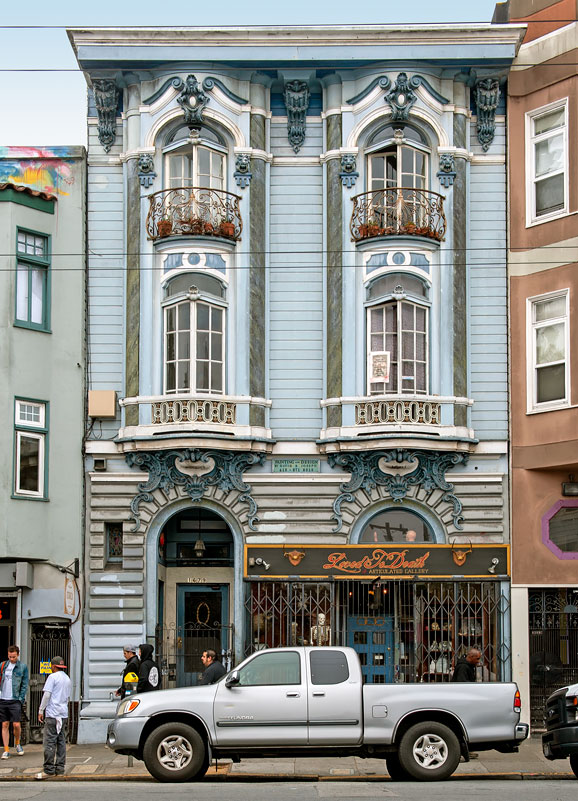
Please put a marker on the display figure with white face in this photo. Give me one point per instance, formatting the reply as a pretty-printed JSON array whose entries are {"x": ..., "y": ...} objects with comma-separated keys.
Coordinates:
[{"x": 321, "y": 633}]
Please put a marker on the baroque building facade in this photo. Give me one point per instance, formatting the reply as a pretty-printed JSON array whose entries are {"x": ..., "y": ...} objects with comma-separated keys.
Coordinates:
[
  {"x": 297, "y": 336},
  {"x": 42, "y": 272},
  {"x": 543, "y": 281}
]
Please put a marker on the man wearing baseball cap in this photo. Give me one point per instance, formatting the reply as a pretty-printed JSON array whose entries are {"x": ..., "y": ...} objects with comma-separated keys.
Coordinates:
[{"x": 54, "y": 713}]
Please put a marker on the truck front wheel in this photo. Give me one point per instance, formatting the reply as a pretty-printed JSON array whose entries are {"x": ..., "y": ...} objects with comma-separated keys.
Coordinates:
[
  {"x": 574, "y": 764},
  {"x": 429, "y": 751},
  {"x": 175, "y": 752},
  {"x": 396, "y": 772}
]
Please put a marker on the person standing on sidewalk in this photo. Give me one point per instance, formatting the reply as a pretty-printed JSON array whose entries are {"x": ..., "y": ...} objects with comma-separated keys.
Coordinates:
[
  {"x": 54, "y": 713},
  {"x": 148, "y": 672},
  {"x": 132, "y": 665},
  {"x": 13, "y": 687},
  {"x": 213, "y": 668}
]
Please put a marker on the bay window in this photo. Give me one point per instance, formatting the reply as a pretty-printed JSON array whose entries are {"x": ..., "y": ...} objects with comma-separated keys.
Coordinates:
[
  {"x": 548, "y": 350},
  {"x": 547, "y": 162}
]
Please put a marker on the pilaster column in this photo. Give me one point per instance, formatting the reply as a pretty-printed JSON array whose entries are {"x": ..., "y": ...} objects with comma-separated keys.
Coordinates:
[
  {"x": 334, "y": 239},
  {"x": 258, "y": 244},
  {"x": 133, "y": 226},
  {"x": 460, "y": 344}
]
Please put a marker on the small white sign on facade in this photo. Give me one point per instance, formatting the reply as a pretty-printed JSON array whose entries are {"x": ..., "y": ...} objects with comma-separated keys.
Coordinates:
[
  {"x": 380, "y": 365},
  {"x": 69, "y": 596}
]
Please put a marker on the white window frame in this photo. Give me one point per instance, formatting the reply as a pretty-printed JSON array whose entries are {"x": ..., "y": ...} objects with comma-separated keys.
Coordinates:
[
  {"x": 531, "y": 217},
  {"x": 531, "y": 366},
  {"x": 210, "y": 301},
  {"x": 32, "y": 429},
  {"x": 382, "y": 302}
]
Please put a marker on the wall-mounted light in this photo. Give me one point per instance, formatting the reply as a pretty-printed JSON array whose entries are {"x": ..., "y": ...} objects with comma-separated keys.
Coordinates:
[{"x": 570, "y": 488}]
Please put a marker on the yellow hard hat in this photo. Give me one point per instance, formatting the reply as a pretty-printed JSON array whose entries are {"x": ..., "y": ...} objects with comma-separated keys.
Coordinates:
[{"x": 131, "y": 677}]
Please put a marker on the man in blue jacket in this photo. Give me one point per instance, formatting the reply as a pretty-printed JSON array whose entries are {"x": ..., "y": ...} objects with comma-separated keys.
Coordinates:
[{"x": 13, "y": 687}]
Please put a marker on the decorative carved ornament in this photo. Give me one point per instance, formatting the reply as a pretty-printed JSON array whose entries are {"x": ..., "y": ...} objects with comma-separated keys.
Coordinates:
[
  {"x": 106, "y": 101},
  {"x": 146, "y": 169},
  {"x": 165, "y": 473},
  {"x": 243, "y": 174},
  {"x": 486, "y": 96},
  {"x": 401, "y": 97},
  {"x": 296, "y": 96},
  {"x": 447, "y": 170},
  {"x": 348, "y": 173},
  {"x": 192, "y": 100},
  {"x": 366, "y": 474}
]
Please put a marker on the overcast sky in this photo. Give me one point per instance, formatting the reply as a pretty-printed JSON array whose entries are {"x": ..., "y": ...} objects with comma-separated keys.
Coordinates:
[{"x": 40, "y": 107}]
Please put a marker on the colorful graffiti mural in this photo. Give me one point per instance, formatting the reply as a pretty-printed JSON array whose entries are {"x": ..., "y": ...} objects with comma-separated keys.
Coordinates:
[{"x": 41, "y": 168}]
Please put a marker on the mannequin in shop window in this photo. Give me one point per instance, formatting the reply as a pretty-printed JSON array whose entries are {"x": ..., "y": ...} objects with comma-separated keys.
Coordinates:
[{"x": 321, "y": 632}]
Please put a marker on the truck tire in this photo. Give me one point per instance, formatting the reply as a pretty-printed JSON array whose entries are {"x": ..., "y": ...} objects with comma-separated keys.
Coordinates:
[
  {"x": 396, "y": 772},
  {"x": 429, "y": 752},
  {"x": 574, "y": 764},
  {"x": 175, "y": 752}
]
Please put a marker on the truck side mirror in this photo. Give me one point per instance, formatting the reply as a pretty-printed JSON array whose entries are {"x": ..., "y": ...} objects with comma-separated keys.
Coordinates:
[{"x": 232, "y": 679}]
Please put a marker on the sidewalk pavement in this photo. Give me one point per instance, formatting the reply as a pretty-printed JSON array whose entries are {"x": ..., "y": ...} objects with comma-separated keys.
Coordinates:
[{"x": 97, "y": 762}]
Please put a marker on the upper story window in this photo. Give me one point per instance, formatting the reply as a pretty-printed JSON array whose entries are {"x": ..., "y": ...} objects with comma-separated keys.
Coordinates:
[
  {"x": 198, "y": 161},
  {"x": 547, "y": 162},
  {"x": 397, "y": 157},
  {"x": 548, "y": 346},
  {"x": 32, "y": 280},
  {"x": 194, "y": 335},
  {"x": 30, "y": 433},
  {"x": 397, "y": 336}
]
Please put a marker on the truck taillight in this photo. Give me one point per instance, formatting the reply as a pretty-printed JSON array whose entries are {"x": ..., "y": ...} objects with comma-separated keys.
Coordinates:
[{"x": 517, "y": 702}]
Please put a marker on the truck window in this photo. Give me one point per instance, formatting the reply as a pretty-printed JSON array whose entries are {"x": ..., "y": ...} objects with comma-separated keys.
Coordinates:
[
  {"x": 280, "y": 668},
  {"x": 328, "y": 667}
]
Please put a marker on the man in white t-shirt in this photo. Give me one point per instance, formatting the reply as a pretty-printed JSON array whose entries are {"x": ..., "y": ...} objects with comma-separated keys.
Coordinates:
[{"x": 54, "y": 713}]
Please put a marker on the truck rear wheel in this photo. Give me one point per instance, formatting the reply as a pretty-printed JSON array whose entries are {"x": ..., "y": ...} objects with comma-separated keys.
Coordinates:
[
  {"x": 429, "y": 751},
  {"x": 574, "y": 764},
  {"x": 175, "y": 752}
]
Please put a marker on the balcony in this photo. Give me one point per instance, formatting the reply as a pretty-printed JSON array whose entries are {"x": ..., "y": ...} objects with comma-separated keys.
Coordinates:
[
  {"x": 415, "y": 420},
  {"x": 398, "y": 211},
  {"x": 219, "y": 418},
  {"x": 194, "y": 211}
]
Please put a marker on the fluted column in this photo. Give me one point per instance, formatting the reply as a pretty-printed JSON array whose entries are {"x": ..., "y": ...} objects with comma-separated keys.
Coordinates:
[{"x": 460, "y": 345}]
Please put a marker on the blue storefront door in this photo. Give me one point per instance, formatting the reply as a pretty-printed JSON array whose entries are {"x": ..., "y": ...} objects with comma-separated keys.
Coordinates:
[
  {"x": 202, "y": 618},
  {"x": 372, "y": 638}
]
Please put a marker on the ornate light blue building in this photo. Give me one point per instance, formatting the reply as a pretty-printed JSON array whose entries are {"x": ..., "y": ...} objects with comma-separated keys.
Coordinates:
[{"x": 297, "y": 339}]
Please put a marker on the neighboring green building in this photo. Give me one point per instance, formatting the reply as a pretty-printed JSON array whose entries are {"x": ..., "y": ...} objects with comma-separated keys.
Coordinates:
[{"x": 42, "y": 377}]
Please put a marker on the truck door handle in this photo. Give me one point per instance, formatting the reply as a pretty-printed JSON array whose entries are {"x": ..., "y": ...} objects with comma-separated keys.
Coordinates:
[
  {"x": 293, "y": 695},
  {"x": 318, "y": 694}
]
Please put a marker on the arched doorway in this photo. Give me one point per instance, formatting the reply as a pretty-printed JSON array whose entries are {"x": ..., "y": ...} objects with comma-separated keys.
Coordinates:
[{"x": 195, "y": 594}]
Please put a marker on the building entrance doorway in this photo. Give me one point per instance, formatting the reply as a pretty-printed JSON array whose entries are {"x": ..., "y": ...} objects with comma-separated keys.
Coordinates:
[
  {"x": 372, "y": 638},
  {"x": 202, "y": 624}
]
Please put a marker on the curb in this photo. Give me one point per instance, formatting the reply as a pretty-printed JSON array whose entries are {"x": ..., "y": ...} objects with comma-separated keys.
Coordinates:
[{"x": 260, "y": 778}]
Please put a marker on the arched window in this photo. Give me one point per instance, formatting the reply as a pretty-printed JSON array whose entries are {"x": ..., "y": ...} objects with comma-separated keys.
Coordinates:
[
  {"x": 397, "y": 157},
  {"x": 397, "y": 526},
  {"x": 194, "y": 335},
  {"x": 397, "y": 336},
  {"x": 195, "y": 160}
]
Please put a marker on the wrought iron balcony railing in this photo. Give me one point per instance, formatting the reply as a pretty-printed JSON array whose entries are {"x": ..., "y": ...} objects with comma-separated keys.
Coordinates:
[
  {"x": 398, "y": 211},
  {"x": 201, "y": 414},
  {"x": 194, "y": 211}
]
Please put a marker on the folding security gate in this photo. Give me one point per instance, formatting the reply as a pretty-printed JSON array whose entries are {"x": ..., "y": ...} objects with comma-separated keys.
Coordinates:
[
  {"x": 47, "y": 640},
  {"x": 553, "y": 645},
  {"x": 432, "y": 623}
]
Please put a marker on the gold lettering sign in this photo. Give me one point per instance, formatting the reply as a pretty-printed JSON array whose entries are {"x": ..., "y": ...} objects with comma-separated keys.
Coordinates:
[{"x": 380, "y": 560}]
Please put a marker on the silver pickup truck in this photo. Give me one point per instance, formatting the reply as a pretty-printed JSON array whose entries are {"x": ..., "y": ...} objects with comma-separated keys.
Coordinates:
[{"x": 312, "y": 701}]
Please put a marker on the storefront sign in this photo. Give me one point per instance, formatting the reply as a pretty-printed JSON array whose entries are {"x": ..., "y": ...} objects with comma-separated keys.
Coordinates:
[
  {"x": 296, "y": 465},
  {"x": 69, "y": 596},
  {"x": 45, "y": 667},
  {"x": 371, "y": 561}
]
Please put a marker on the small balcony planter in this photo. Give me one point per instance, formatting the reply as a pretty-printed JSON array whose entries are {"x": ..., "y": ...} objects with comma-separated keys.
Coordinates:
[
  {"x": 227, "y": 229},
  {"x": 165, "y": 228},
  {"x": 398, "y": 211}
]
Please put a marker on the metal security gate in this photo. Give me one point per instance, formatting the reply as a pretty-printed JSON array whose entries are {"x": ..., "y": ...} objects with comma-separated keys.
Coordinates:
[
  {"x": 47, "y": 640},
  {"x": 553, "y": 645},
  {"x": 432, "y": 622},
  {"x": 179, "y": 649}
]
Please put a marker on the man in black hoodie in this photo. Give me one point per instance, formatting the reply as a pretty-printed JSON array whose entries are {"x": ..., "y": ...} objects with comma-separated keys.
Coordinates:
[
  {"x": 465, "y": 669},
  {"x": 148, "y": 672}
]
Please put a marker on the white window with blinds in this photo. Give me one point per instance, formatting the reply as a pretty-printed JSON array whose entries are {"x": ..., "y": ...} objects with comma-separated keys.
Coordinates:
[
  {"x": 548, "y": 351},
  {"x": 397, "y": 348},
  {"x": 194, "y": 348},
  {"x": 547, "y": 162}
]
